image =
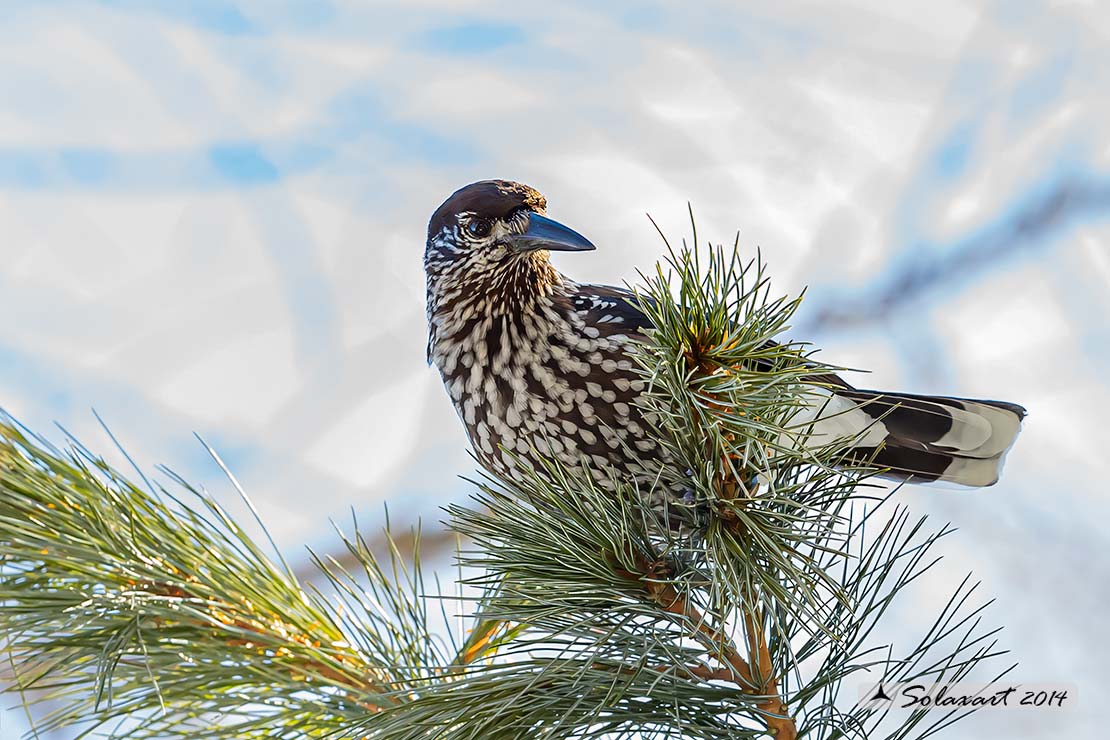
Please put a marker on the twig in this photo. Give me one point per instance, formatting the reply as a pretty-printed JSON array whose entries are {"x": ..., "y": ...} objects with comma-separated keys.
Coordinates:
[
  {"x": 779, "y": 723},
  {"x": 760, "y": 682}
]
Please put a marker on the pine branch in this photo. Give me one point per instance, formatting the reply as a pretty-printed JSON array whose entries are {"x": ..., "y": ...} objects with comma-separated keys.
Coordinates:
[
  {"x": 118, "y": 604},
  {"x": 738, "y": 609},
  {"x": 759, "y": 682}
]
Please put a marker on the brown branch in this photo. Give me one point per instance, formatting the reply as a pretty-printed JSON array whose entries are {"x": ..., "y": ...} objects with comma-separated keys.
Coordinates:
[
  {"x": 760, "y": 682},
  {"x": 733, "y": 494},
  {"x": 779, "y": 722}
]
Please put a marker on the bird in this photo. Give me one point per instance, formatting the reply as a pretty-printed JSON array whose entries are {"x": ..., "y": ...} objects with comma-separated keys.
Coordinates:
[{"x": 540, "y": 366}]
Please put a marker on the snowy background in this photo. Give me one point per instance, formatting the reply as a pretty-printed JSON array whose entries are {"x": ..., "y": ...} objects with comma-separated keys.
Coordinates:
[{"x": 212, "y": 216}]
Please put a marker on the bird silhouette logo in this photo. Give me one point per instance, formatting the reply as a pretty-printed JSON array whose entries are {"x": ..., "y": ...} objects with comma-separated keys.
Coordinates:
[{"x": 881, "y": 695}]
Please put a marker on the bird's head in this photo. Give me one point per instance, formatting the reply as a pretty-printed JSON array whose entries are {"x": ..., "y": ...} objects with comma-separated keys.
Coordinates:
[{"x": 490, "y": 226}]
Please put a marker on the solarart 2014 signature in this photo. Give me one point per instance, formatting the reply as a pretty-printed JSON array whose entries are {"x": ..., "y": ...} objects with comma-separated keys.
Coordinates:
[{"x": 917, "y": 696}]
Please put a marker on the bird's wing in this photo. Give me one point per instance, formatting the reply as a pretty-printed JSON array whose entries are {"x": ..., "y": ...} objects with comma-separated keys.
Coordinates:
[
  {"x": 615, "y": 310},
  {"x": 611, "y": 310}
]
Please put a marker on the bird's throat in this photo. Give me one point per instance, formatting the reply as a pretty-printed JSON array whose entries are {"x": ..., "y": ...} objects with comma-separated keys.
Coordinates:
[{"x": 524, "y": 290}]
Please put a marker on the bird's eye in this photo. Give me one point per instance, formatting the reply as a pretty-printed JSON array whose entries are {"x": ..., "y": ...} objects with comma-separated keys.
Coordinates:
[{"x": 479, "y": 227}]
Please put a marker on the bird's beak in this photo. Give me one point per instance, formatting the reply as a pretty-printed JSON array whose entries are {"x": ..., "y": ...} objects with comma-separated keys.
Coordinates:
[{"x": 544, "y": 233}]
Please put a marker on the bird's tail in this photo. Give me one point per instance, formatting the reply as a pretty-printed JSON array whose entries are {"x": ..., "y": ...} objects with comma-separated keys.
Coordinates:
[{"x": 920, "y": 439}]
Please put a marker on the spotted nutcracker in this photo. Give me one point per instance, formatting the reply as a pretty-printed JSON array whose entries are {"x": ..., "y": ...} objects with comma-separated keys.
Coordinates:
[{"x": 536, "y": 363}]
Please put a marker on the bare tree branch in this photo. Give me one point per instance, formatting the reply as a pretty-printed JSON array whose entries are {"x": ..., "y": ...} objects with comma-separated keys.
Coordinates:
[{"x": 1025, "y": 229}]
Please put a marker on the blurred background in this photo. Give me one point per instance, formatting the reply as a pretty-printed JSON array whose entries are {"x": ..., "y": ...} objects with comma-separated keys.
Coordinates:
[{"x": 212, "y": 216}]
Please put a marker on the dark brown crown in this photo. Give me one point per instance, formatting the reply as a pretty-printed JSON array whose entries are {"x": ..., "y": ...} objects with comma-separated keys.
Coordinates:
[{"x": 488, "y": 198}]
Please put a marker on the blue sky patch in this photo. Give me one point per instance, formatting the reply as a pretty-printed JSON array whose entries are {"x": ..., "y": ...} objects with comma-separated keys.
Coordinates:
[
  {"x": 951, "y": 158},
  {"x": 243, "y": 163},
  {"x": 88, "y": 166},
  {"x": 211, "y": 15},
  {"x": 473, "y": 37}
]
